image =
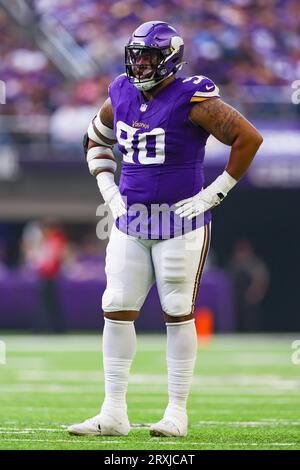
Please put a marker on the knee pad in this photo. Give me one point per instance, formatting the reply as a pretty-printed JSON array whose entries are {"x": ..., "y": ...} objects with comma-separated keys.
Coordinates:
[
  {"x": 177, "y": 305},
  {"x": 114, "y": 300}
]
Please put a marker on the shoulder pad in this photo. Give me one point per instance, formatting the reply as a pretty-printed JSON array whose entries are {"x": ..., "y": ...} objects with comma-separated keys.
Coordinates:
[
  {"x": 117, "y": 82},
  {"x": 115, "y": 88},
  {"x": 201, "y": 88}
]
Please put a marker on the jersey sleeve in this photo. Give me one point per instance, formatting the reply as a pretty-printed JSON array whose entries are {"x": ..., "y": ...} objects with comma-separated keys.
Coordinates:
[{"x": 203, "y": 89}]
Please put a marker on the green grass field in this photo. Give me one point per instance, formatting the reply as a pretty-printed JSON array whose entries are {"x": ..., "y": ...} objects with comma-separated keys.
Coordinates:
[{"x": 245, "y": 394}]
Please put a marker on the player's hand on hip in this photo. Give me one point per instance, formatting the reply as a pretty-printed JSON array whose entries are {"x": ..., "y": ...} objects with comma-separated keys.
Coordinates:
[
  {"x": 198, "y": 204},
  {"x": 117, "y": 205},
  {"x": 111, "y": 194},
  {"x": 207, "y": 198}
]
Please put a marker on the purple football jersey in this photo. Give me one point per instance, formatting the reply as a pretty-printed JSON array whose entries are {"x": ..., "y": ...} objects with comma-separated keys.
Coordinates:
[{"x": 163, "y": 154}]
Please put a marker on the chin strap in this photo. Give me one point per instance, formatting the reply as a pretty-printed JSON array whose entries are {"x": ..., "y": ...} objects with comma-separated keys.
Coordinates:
[{"x": 149, "y": 84}]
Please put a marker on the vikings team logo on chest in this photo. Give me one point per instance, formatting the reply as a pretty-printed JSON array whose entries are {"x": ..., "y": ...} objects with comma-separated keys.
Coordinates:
[{"x": 143, "y": 125}]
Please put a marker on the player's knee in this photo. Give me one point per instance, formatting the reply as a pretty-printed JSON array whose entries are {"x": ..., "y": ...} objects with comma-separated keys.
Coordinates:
[
  {"x": 116, "y": 300},
  {"x": 126, "y": 315},
  {"x": 177, "y": 305}
]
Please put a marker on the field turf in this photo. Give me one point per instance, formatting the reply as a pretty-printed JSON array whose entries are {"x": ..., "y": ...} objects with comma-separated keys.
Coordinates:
[{"x": 245, "y": 394}]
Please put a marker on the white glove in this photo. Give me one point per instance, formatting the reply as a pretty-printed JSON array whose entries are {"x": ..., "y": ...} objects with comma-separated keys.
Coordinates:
[
  {"x": 206, "y": 198},
  {"x": 111, "y": 194}
]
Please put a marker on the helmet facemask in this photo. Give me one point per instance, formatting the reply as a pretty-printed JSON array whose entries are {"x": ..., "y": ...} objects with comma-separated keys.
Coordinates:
[{"x": 145, "y": 65}]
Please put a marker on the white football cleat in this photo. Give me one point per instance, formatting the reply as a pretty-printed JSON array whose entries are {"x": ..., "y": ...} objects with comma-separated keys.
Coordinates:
[
  {"x": 170, "y": 426},
  {"x": 102, "y": 425}
]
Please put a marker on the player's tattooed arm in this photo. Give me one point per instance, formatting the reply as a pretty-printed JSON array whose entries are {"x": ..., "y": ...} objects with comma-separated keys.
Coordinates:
[
  {"x": 231, "y": 128},
  {"x": 107, "y": 118}
]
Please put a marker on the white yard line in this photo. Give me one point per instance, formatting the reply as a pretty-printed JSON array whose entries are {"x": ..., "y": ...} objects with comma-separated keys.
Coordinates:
[
  {"x": 247, "y": 424},
  {"x": 224, "y": 400},
  {"x": 258, "y": 344},
  {"x": 146, "y": 389},
  {"x": 10, "y": 430},
  {"x": 74, "y": 343},
  {"x": 70, "y": 441},
  {"x": 84, "y": 378}
]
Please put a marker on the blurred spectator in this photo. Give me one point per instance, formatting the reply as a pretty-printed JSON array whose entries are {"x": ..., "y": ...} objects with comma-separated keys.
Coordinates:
[
  {"x": 239, "y": 44},
  {"x": 251, "y": 279},
  {"x": 44, "y": 248},
  {"x": 86, "y": 261}
]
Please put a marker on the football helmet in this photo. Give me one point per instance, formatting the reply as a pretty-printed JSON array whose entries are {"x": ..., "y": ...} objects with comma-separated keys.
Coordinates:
[{"x": 153, "y": 53}]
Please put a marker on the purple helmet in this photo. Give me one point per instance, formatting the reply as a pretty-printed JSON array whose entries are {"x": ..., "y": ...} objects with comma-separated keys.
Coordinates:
[{"x": 153, "y": 53}]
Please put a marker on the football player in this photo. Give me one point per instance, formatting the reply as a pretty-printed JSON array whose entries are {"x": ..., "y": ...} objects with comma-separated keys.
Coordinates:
[{"x": 161, "y": 123}]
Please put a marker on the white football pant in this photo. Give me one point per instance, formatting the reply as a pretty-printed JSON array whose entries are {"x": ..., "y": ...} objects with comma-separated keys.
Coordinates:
[{"x": 133, "y": 265}]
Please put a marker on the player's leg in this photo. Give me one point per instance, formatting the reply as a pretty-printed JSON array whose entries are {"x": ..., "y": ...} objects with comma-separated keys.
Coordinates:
[
  {"x": 178, "y": 265},
  {"x": 129, "y": 277}
]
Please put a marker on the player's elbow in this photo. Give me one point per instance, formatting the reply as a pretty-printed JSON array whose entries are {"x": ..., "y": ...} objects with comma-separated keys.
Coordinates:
[
  {"x": 250, "y": 139},
  {"x": 258, "y": 139},
  {"x": 92, "y": 143},
  {"x": 253, "y": 138}
]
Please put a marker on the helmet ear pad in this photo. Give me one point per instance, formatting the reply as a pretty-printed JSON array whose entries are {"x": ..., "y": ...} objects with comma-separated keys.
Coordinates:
[{"x": 176, "y": 42}]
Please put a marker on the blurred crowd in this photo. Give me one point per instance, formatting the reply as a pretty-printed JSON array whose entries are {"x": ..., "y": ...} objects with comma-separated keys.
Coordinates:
[{"x": 237, "y": 43}]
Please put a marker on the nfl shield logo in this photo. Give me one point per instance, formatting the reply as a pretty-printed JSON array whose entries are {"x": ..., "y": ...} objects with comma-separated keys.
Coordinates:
[{"x": 143, "y": 107}]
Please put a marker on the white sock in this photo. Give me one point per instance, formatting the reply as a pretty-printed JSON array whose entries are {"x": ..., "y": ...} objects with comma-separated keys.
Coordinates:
[
  {"x": 119, "y": 346},
  {"x": 181, "y": 358}
]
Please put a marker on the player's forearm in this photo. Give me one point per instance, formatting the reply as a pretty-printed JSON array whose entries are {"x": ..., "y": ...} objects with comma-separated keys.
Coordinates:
[
  {"x": 244, "y": 141},
  {"x": 92, "y": 143},
  {"x": 243, "y": 151},
  {"x": 231, "y": 128},
  {"x": 98, "y": 143}
]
